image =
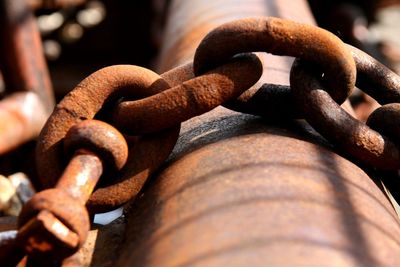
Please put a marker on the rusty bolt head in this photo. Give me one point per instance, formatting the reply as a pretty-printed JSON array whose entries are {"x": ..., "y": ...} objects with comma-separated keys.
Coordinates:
[{"x": 52, "y": 224}]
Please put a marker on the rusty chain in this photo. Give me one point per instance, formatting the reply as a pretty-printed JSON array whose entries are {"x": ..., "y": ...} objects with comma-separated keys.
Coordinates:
[
  {"x": 78, "y": 131},
  {"x": 109, "y": 134}
]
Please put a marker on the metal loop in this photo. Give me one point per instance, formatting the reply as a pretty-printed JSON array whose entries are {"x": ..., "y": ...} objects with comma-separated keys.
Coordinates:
[
  {"x": 375, "y": 79},
  {"x": 276, "y": 102},
  {"x": 281, "y": 37},
  {"x": 386, "y": 120},
  {"x": 232, "y": 77},
  {"x": 335, "y": 124},
  {"x": 188, "y": 99},
  {"x": 80, "y": 104},
  {"x": 100, "y": 138},
  {"x": 66, "y": 209}
]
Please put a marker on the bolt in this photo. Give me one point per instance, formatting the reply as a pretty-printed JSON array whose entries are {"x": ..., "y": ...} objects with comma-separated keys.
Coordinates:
[{"x": 54, "y": 224}]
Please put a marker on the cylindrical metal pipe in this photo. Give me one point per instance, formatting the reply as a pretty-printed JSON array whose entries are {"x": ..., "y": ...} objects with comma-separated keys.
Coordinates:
[
  {"x": 21, "y": 55},
  {"x": 22, "y": 116},
  {"x": 23, "y": 68},
  {"x": 238, "y": 191}
]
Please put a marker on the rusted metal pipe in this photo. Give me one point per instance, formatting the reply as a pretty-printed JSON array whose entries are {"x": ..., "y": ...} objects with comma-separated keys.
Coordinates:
[
  {"x": 21, "y": 55},
  {"x": 22, "y": 116},
  {"x": 238, "y": 191},
  {"x": 24, "y": 69}
]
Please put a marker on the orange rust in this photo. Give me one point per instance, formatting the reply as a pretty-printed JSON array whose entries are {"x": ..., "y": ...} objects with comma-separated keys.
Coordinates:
[
  {"x": 96, "y": 145},
  {"x": 107, "y": 84},
  {"x": 102, "y": 139},
  {"x": 70, "y": 215},
  {"x": 189, "y": 99},
  {"x": 81, "y": 175},
  {"x": 80, "y": 105},
  {"x": 36, "y": 4},
  {"x": 23, "y": 69},
  {"x": 281, "y": 37}
]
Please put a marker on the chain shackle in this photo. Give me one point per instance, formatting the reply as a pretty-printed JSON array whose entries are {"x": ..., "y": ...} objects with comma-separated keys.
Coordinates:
[
  {"x": 59, "y": 227},
  {"x": 281, "y": 37},
  {"x": 100, "y": 138}
]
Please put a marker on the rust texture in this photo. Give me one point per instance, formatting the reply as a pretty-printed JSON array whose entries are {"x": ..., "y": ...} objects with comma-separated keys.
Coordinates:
[
  {"x": 159, "y": 112},
  {"x": 324, "y": 114},
  {"x": 238, "y": 191},
  {"x": 79, "y": 105},
  {"x": 48, "y": 230},
  {"x": 52, "y": 225},
  {"x": 281, "y": 37}
]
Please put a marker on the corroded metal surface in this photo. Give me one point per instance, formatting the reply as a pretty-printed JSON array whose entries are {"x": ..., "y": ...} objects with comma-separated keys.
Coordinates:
[
  {"x": 281, "y": 37},
  {"x": 80, "y": 105},
  {"x": 376, "y": 79},
  {"x": 366, "y": 145},
  {"x": 351, "y": 135},
  {"x": 47, "y": 229},
  {"x": 190, "y": 98},
  {"x": 52, "y": 225},
  {"x": 161, "y": 112},
  {"x": 240, "y": 192},
  {"x": 35, "y": 4}
]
